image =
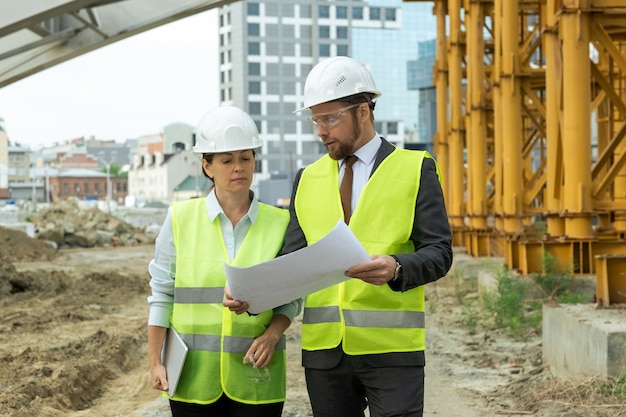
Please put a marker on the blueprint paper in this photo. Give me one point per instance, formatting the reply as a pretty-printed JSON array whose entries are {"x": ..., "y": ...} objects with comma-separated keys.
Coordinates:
[{"x": 292, "y": 276}]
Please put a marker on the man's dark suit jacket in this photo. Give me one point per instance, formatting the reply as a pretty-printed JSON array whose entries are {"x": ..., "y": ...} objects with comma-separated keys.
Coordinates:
[{"x": 430, "y": 261}]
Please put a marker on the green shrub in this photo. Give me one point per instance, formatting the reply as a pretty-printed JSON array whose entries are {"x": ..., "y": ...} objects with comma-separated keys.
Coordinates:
[
  {"x": 554, "y": 280},
  {"x": 508, "y": 306}
]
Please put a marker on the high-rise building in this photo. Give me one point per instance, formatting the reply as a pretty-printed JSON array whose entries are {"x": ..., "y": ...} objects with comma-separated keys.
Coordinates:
[{"x": 266, "y": 50}]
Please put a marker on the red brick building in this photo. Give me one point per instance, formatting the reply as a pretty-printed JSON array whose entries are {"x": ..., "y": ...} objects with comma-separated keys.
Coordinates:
[{"x": 87, "y": 184}]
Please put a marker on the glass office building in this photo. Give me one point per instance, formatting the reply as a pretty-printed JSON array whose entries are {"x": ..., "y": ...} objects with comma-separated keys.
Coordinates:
[{"x": 267, "y": 49}]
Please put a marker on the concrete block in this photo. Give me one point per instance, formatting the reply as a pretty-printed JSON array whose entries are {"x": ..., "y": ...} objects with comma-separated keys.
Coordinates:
[{"x": 580, "y": 340}]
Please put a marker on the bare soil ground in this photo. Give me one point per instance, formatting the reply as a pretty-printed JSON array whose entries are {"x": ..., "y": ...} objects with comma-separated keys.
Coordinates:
[{"x": 73, "y": 343}]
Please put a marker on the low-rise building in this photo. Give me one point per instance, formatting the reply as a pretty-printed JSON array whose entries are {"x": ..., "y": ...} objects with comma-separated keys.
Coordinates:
[
  {"x": 86, "y": 184},
  {"x": 155, "y": 177}
]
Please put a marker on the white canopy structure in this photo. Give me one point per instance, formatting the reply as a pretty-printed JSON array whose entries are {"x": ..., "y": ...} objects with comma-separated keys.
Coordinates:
[{"x": 38, "y": 34}]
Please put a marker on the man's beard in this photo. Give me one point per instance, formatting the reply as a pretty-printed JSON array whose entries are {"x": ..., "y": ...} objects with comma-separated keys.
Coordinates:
[{"x": 346, "y": 149}]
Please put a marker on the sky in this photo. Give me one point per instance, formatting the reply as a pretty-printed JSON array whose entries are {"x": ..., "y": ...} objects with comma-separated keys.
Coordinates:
[{"x": 128, "y": 89}]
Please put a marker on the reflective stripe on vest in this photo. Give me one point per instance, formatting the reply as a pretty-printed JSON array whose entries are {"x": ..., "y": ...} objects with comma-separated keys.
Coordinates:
[
  {"x": 211, "y": 343},
  {"x": 218, "y": 338},
  {"x": 198, "y": 295},
  {"x": 364, "y": 318},
  {"x": 382, "y": 221}
]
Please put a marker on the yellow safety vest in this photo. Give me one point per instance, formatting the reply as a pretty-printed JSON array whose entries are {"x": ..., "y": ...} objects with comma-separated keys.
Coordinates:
[
  {"x": 218, "y": 338},
  {"x": 366, "y": 318}
]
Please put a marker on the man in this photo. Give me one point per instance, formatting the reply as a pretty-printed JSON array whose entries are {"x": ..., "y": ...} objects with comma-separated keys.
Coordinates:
[{"x": 363, "y": 340}]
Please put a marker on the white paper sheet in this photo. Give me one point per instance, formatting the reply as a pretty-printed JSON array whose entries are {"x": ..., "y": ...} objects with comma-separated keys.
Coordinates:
[{"x": 292, "y": 276}]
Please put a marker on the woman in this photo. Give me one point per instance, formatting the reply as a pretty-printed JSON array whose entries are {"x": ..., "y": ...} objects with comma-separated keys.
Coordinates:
[{"x": 188, "y": 283}]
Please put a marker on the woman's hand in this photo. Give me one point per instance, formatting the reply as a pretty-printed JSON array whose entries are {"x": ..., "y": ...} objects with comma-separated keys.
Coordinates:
[
  {"x": 236, "y": 306},
  {"x": 262, "y": 350},
  {"x": 158, "y": 376}
]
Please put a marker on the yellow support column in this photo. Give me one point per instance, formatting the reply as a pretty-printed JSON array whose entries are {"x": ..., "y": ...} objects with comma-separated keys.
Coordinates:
[
  {"x": 498, "y": 132},
  {"x": 554, "y": 151},
  {"x": 576, "y": 123},
  {"x": 619, "y": 184},
  {"x": 513, "y": 190},
  {"x": 476, "y": 139},
  {"x": 441, "y": 84},
  {"x": 456, "y": 206}
]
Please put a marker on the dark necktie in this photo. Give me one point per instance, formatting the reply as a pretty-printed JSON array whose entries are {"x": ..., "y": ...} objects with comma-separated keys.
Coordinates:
[{"x": 345, "y": 190}]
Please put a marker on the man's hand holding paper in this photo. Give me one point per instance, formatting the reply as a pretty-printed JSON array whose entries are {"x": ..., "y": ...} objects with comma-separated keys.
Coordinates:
[{"x": 295, "y": 275}]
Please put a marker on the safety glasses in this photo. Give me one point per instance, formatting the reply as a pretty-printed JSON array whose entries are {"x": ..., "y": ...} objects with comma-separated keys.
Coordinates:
[{"x": 332, "y": 119}]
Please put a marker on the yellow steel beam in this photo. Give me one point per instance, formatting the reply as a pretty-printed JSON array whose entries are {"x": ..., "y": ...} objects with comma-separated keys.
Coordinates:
[
  {"x": 441, "y": 85},
  {"x": 456, "y": 51},
  {"x": 512, "y": 118},
  {"x": 498, "y": 125},
  {"x": 476, "y": 139},
  {"x": 576, "y": 124}
]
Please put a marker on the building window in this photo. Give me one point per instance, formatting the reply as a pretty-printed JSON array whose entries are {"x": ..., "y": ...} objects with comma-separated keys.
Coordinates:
[
  {"x": 272, "y": 48},
  {"x": 324, "y": 11},
  {"x": 306, "y": 32},
  {"x": 342, "y": 32},
  {"x": 255, "y": 107},
  {"x": 342, "y": 50},
  {"x": 272, "y": 30},
  {"x": 374, "y": 13},
  {"x": 273, "y": 87},
  {"x": 357, "y": 13},
  {"x": 392, "y": 128},
  {"x": 390, "y": 14},
  {"x": 324, "y": 50},
  {"x": 289, "y": 70},
  {"x": 288, "y": 49},
  {"x": 342, "y": 12},
  {"x": 254, "y": 48},
  {"x": 254, "y": 87},
  {"x": 254, "y": 29},
  {"x": 86, "y": 188},
  {"x": 287, "y": 10},
  {"x": 324, "y": 32},
  {"x": 254, "y": 68},
  {"x": 253, "y": 9},
  {"x": 289, "y": 31}
]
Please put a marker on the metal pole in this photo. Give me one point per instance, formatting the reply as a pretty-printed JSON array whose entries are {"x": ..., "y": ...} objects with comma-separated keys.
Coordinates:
[
  {"x": 47, "y": 184},
  {"x": 108, "y": 187}
]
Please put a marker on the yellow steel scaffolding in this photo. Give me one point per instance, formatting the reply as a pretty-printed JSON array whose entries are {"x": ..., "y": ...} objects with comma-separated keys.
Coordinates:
[{"x": 530, "y": 129}]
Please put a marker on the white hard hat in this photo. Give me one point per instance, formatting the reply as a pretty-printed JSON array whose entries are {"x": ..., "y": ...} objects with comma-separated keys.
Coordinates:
[
  {"x": 225, "y": 129},
  {"x": 336, "y": 78}
]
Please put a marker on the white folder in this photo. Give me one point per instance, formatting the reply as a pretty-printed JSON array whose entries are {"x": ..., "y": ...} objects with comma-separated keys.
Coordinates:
[{"x": 173, "y": 355}]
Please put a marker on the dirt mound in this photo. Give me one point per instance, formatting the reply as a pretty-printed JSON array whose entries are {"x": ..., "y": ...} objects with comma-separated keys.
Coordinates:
[
  {"x": 69, "y": 328},
  {"x": 68, "y": 225},
  {"x": 18, "y": 246}
]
